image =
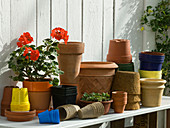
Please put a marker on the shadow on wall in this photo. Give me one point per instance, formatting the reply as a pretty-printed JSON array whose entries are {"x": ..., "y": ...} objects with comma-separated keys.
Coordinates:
[{"x": 131, "y": 27}]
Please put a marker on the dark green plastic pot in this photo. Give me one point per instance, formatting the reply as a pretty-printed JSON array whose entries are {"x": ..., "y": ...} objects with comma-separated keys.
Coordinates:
[{"x": 126, "y": 67}]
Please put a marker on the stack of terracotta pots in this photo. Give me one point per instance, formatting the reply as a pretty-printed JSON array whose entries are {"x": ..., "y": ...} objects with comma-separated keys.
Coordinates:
[
  {"x": 130, "y": 83},
  {"x": 96, "y": 77},
  {"x": 119, "y": 52},
  {"x": 6, "y": 99},
  {"x": 151, "y": 64}
]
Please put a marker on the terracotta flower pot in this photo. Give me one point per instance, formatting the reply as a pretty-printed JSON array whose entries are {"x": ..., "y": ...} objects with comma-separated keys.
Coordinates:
[
  {"x": 20, "y": 116},
  {"x": 39, "y": 94},
  {"x": 152, "y": 90},
  {"x": 130, "y": 83},
  {"x": 69, "y": 61},
  {"x": 6, "y": 100},
  {"x": 96, "y": 77},
  {"x": 119, "y": 101},
  {"x": 106, "y": 104},
  {"x": 119, "y": 51}
]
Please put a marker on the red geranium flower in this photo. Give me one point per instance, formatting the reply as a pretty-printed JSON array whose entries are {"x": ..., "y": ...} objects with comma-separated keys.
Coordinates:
[
  {"x": 27, "y": 51},
  {"x": 34, "y": 55},
  {"x": 24, "y": 39},
  {"x": 27, "y": 57},
  {"x": 60, "y": 33}
]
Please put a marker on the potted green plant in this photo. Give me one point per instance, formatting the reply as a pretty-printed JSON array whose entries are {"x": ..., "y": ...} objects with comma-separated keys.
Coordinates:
[
  {"x": 35, "y": 66},
  {"x": 104, "y": 98}
]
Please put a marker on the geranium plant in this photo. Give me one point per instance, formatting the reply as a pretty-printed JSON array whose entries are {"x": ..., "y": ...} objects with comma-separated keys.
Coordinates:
[{"x": 37, "y": 63}]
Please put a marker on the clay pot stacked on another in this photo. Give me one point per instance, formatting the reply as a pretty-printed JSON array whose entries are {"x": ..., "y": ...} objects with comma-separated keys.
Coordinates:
[
  {"x": 6, "y": 100},
  {"x": 119, "y": 52},
  {"x": 151, "y": 64},
  {"x": 130, "y": 83},
  {"x": 152, "y": 91},
  {"x": 119, "y": 101},
  {"x": 96, "y": 77}
]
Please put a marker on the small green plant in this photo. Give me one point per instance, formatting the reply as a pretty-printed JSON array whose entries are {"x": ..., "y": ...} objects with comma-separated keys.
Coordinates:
[
  {"x": 158, "y": 19},
  {"x": 97, "y": 97}
]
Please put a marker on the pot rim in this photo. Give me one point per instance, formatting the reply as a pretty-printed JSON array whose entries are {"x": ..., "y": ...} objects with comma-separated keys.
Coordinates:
[
  {"x": 98, "y": 65},
  {"x": 119, "y": 92},
  {"x": 152, "y": 53},
  {"x": 120, "y": 40},
  {"x": 152, "y": 80},
  {"x": 110, "y": 101},
  {"x": 71, "y": 43}
]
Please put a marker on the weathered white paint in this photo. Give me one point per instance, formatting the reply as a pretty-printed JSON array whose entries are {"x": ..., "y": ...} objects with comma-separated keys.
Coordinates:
[
  {"x": 107, "y": 26},
  {"x": 75, "y": 20},
  {"x": 127, "y": 25},
  {"x": 4, "y": 44},
  {"x": 43, "y": 20},
  {"x": 92, "y": 29}
]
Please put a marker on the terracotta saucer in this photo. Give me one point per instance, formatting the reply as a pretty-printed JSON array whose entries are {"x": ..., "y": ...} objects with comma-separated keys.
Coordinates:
[{"x": 20, "y": 116}]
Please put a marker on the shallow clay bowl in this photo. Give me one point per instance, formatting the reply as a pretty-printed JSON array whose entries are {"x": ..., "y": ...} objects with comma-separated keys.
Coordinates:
[{"x": 20, "y": 116}]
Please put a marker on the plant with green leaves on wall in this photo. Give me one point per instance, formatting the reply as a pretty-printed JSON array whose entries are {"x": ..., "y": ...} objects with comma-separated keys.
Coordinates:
[{"x": 158, "y": 19}]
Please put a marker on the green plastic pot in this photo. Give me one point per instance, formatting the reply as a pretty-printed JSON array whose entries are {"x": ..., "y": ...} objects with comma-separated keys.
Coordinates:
[{"x": 126, "y": 67}]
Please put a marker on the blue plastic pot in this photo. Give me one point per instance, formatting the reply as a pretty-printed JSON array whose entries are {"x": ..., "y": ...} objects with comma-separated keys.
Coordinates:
[
  {"x": 151, "y": 61},
  {"x": 49, "y": 117}
]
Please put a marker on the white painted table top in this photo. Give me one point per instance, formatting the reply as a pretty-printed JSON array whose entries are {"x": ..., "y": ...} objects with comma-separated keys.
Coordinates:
[{"x": 74, "y": 123}]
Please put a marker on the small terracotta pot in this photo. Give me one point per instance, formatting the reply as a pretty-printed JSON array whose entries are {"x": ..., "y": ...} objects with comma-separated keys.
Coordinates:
[
  {"x": 119, "y": 101},
  {"x": 39, "y": 94},
  {"x": 106, "y": 104},
  {"x": 69, "y": 61},
  {"x": 152, "y": 90},
  {"x": 96, "y": 77},
  {"x": 6, "y": 100},
  {"x": 20, "y": 116},
  {"x": 119, "y": 51}
]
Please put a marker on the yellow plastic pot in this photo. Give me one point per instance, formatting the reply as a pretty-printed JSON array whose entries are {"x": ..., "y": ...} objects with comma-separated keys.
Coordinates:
[
  {"x": 150, "y": 74},
  {"x": 20, "y": 101}
]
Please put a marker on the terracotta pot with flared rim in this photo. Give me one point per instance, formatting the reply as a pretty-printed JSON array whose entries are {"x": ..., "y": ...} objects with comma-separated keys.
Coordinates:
[
  {"x": 69, "y": 61},
  {"x": 106, "y": 104},
  {"x": 39, "y": 94},
  {"x": 152, "y": 90},
  {"x": 20, "y": 116},
  {"x": 119, "y": 101},
  {"x": 6, "y": 99},
  {"x": 119, "y": 51},
  {"x": 96, "y": 77}
]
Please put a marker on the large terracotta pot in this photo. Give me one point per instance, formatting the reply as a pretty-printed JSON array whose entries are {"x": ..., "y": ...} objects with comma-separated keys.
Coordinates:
[
  {"x": 119, "y": 101},
  {"x": 152, "y": 90},
  {"x": 6, "y": 100},
  {"x": 119, "y": 51},
  {"x": 130, "y": 83},
  {"x": 69, "y": 61},
  {"x": 96, "y": 77},
  {"x": 39, "y": 94}
]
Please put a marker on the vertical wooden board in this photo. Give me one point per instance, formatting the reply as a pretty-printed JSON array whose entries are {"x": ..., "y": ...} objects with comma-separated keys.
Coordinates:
[
  {"x": 153, "y": 120},
  {"x": 118, "y": 123},
  {"x": 43, "y": 20},
  {"x": 127, "y": 25},
  {"x": 141, "y": 121},
  {"x": 23, "y": 18},
  {"x": 92, "y": 29},
  {"x": 59, "y": 14},
  {"x": 75, "y": 20},
  {"x": 108, "y": 26},
  {"x": 168, "y": 119},
  {"x": 4, "y": 44}
]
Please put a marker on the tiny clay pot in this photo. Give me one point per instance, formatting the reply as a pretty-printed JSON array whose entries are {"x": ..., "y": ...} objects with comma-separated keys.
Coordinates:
[{"x": 119, "y": 101}]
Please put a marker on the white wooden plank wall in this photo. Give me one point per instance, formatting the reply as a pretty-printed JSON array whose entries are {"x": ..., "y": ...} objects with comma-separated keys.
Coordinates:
[{"x": 93, "y": 22}]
